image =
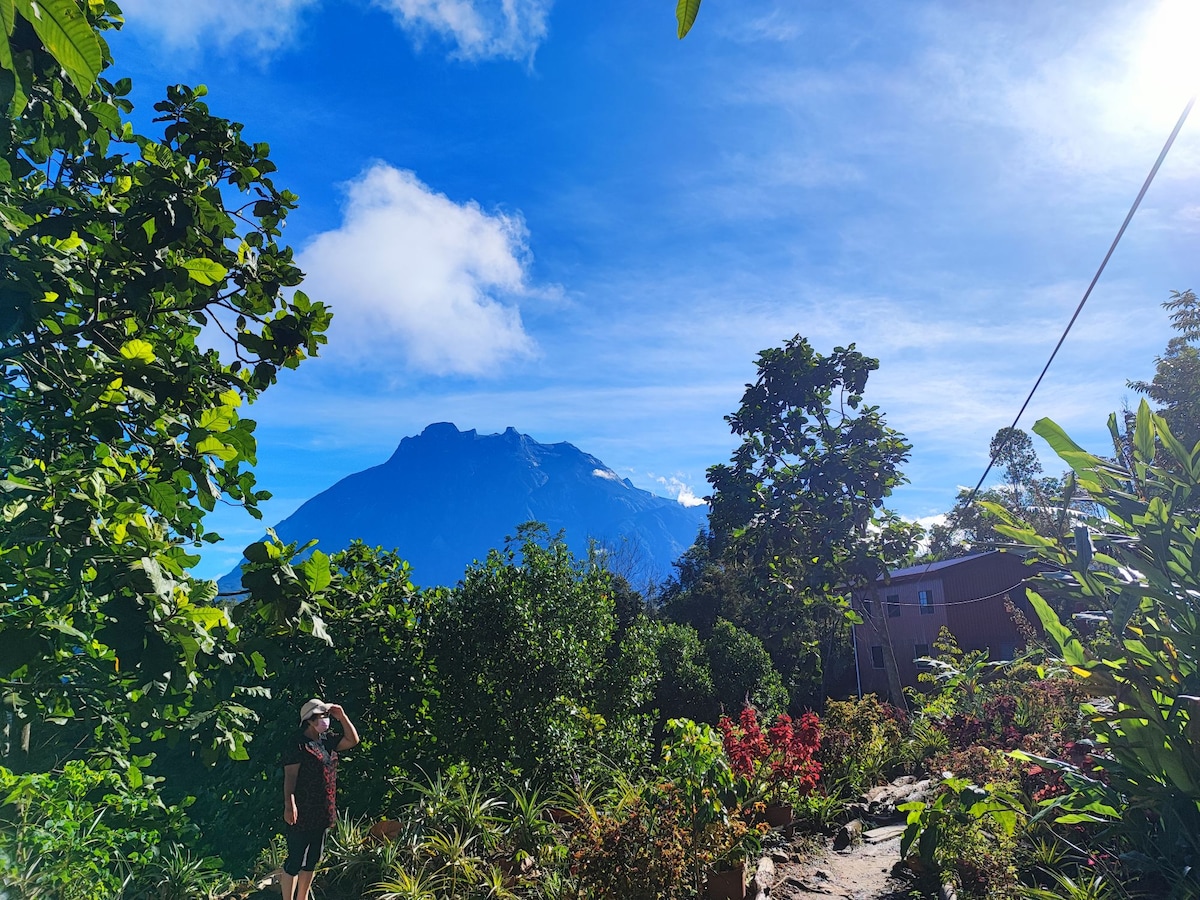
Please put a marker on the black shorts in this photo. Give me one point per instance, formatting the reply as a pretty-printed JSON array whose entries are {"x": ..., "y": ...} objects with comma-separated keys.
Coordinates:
[{"x": 304, "y": 847}]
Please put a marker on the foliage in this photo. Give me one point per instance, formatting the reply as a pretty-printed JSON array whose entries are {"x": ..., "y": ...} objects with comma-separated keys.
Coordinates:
[
  {"x": 796, "y": 514},
  {"x": 686, "y": 688},
  {"x": 967, "y": 831},
  {"x": 85, "y": 832},
  {"x": 782, "y": 764},
  {"x": 643, "y": 852},
  {"x": 1176, "y": 383},
  {"x": 1140, "y": 569},
  {"x": 120, "y": 429},
  {"x": 861, "y": 742},
  {"x": 742, "y": 671},
  {"x": 64, "y": 32},
  {"x": 685, "y": 819}
]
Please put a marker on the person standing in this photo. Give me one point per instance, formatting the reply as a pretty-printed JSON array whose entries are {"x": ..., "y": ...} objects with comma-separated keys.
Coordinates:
[{"x": 309, "y": 787}]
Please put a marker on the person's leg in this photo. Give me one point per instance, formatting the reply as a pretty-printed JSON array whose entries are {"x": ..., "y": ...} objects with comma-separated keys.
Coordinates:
[
  {"x": 316, "y": 846},
  {"x": 297, "y": 847}
]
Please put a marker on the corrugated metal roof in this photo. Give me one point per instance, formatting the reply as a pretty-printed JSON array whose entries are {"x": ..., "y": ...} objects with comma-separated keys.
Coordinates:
[{"x": 934, "y": 567}]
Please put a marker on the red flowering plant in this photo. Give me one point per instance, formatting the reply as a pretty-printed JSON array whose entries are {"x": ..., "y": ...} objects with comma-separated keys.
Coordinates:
[{"x": 781, "y": 763}]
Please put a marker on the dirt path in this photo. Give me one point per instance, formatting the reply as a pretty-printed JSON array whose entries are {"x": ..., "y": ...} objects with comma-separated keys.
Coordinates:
[{"x": 862, "y": 872}]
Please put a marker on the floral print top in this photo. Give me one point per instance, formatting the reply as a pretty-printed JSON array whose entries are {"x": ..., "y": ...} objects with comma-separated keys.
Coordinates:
[{"x": 316, "y": 782}]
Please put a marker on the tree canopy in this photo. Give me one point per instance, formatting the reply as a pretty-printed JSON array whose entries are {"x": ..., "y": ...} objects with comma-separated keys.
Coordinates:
[
  {"x": 128, "y": 260},
  {"x": 797, "y": 520},
  {"x": 1175, "y": 386}
]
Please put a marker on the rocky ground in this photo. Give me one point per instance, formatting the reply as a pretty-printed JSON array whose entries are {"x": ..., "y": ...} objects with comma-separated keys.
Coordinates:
[
  {"x": 859, "y": 863},
  {"x": 861, "y": 871}
]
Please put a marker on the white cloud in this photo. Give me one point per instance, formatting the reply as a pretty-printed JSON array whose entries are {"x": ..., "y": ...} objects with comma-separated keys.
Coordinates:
[
  {"x": 264, "y": 25},
  {"x": 417, "y": 279},
  {"x": 608, "y": 474},
  {"x": 682, "y": 492},
  {"x": 478, "y": 29}
]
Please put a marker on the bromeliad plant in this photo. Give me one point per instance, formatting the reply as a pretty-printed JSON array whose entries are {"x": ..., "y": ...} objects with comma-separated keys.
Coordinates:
[{"x": 781, "y": 763}]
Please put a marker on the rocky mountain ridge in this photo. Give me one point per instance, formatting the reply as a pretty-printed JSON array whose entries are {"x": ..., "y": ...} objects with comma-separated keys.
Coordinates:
[{"x": 446, "y": 497}]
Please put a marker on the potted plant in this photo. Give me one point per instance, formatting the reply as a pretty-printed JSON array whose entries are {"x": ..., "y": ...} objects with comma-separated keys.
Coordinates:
[{"x": 732, "y": 846}]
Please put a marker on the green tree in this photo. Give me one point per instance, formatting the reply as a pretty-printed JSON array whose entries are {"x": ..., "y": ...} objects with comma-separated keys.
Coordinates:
[
  {"x": 120, "y": 426},
  {"x": 742, "y": 672},
  {"x": 798, "y": 512},
  {"x": 1176, "y": 383},
  {"x": 1049, "y": 505},
  {"x": 518, "y": 650}
]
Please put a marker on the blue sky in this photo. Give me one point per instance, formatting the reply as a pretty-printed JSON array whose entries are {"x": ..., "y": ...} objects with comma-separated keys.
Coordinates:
[{"x": 557, "y": 216}]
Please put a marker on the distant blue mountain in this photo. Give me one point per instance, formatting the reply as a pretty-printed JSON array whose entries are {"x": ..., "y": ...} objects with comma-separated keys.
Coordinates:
[{"x": 446, "y": 497}]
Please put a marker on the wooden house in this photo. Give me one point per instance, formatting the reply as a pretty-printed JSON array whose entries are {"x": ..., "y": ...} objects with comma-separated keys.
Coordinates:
[{"x": 906, "y": 610}]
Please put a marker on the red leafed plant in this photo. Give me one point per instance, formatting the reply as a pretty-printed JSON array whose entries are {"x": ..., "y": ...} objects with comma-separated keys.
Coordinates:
[{"x": 783, "y": 760}]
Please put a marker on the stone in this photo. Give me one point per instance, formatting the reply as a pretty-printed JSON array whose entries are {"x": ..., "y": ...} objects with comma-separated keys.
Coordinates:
[
  {"x": 883, "y": 833},
  {"x": 849, "y": 835}
]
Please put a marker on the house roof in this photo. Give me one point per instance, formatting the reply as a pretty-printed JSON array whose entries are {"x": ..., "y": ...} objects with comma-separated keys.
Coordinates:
[{"x": 912, "y": 571}]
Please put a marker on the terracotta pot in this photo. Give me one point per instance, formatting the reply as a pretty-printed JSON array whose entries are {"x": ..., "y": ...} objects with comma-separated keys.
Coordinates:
[
  {"x": 727, "y": 885},
  {"x": 779, "y": 814},
  {"x": 384, "y": 831}
]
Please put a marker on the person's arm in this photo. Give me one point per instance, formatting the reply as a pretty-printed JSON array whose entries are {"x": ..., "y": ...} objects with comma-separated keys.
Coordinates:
[
  {"x": 289, "y": 793},
  {"x": 349, "y": 732}
]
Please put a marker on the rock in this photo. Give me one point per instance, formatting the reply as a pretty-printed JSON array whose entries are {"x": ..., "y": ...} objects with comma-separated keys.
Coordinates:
[
  {"x": 884, "y": 833},
  {"x": 849, "y": 835},
  {"x": 764, "y": 878},
  {"x": 881, "y": 802},
  {"x": 270, "y": 882}
]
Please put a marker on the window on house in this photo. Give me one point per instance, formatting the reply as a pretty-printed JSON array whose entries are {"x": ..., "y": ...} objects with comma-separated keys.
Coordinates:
[
  {"x": 877, "y": 656},
  {"x": 868, "y": 606},
  {"x": 920, "y": 650},
  {"x": 925, "y": 598},
  {"x": 893, "y": 605}
]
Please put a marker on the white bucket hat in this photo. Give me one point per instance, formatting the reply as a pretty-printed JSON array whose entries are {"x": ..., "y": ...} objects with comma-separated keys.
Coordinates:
[{"x": 312, "y": 708}]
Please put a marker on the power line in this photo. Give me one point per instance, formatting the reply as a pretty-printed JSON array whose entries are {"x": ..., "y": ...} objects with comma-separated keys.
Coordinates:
[
  {"x": 1162, "y": 155},
  {"x": 933, "y": 604},
  {"x": 1088, "y": 293}
]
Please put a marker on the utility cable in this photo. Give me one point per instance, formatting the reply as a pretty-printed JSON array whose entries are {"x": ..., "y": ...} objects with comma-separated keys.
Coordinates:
[{"x": 1088, "y": 293}]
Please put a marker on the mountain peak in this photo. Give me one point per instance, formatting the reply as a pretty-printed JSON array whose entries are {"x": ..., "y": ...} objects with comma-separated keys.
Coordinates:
[{"x": 446, "y": 497}]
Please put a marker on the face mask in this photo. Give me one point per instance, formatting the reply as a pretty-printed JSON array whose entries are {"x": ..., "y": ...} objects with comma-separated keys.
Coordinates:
[{"x": 321, "y": 723}]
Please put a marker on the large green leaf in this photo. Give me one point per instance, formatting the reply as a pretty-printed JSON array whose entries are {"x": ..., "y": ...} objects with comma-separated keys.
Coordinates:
[
  {"x": 1143, "y": 434},
  {"x": 1087, "y": 467},
  {"x": 685, "y": 15},
  {"x": 67, "y": 35},
  {"x": 7, "y": 20},
  {"x": 1068, "y": 644},
  {"x": 205, "y": 271}
]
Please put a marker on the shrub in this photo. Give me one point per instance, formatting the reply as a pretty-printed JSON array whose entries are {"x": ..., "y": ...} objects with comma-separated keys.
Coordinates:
[
  {"x": 782, "y": 763},
  {"x": 87, "y": 832},
  {"x": 861, "y": 743}
]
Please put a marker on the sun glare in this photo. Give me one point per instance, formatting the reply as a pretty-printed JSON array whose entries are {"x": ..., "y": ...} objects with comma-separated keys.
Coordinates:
[{"x": 1167, "y": 62}]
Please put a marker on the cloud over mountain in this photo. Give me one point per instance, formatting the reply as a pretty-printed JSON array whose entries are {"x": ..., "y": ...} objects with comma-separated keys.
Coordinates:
[{"x": 413, "y": 275}]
